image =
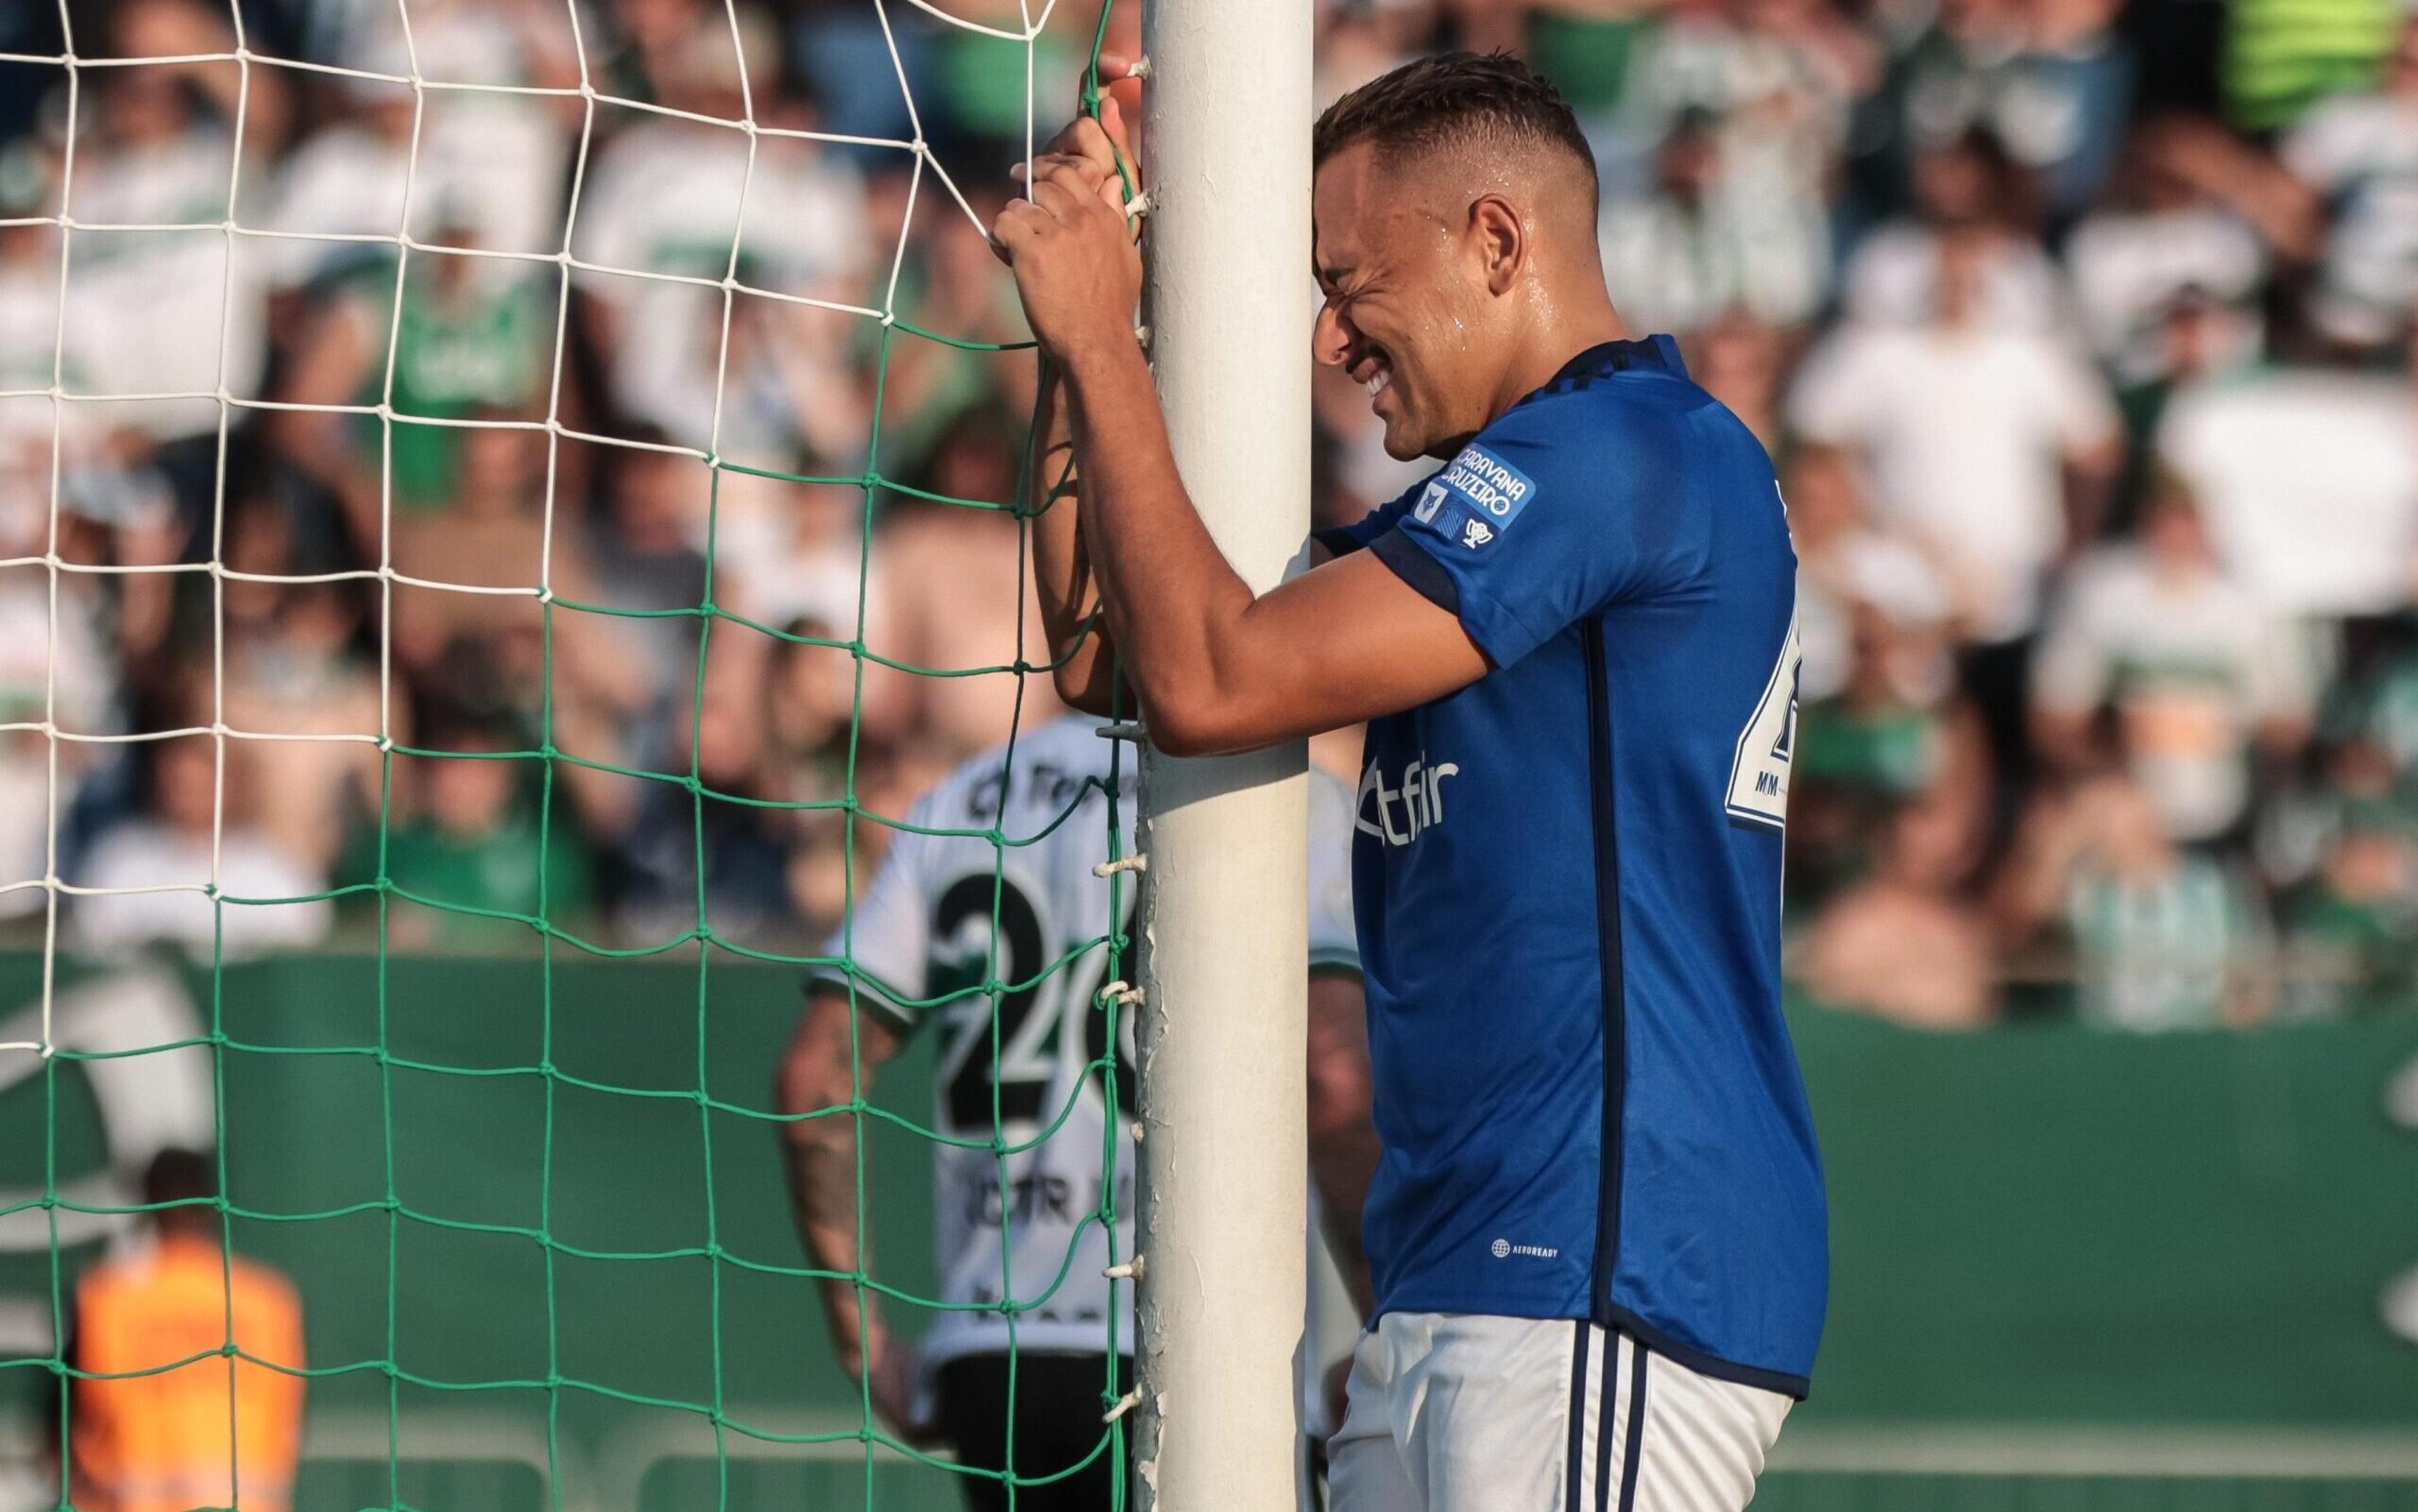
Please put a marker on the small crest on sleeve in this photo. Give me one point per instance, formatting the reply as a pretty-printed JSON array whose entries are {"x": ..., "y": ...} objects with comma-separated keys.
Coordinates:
[{"x": 1474, "y": 499}]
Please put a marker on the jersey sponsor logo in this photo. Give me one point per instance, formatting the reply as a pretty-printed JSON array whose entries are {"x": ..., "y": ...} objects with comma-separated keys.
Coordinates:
[
  {"x": 1491, "y": 486},
  {"x": 1505, "y": 1249},
  {"x": 986, "y": 1199},
  {"x": 1418, "y": 802}
]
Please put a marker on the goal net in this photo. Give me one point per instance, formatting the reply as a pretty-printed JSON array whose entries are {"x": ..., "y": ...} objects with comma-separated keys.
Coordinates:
[{"x": 502, "y": 506}]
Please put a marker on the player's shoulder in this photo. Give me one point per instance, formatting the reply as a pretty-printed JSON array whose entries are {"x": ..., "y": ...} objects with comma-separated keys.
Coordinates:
[
  {"x": 1629, "y": 400},
  {"x": 1621, "y": 420}
]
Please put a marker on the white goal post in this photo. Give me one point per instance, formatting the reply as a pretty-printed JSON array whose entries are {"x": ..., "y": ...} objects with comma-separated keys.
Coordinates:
[{"x": 1223, "y": 1158}]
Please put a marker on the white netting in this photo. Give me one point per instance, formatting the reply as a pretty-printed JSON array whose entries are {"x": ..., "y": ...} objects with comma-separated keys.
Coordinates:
[{"x": 492, "y": 477}]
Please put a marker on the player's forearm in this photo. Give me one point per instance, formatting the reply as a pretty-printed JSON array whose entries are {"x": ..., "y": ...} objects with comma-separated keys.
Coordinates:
[
  {"x": 1174, "y": 606},
  {"x": 1082, "y": 657},
  {"x": 831, "y": 1059},
  {"x": 821, "y": 1157}
]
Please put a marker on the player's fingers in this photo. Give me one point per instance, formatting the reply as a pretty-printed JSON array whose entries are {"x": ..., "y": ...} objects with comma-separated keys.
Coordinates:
[
  {"x": 1060, "y": 196},
  {"x": 1115, "y": 66},
  {"x": 1055, "y": 197},
  {"x": 1082, "y": 168},
  {"x": 1113, "y": 126},
  {"x": 1083, "y": 138},
  {"x": 1015, "y": 229},
  {"x": 1086, "y": 139},
  {"x": 1109, "y": 187}
]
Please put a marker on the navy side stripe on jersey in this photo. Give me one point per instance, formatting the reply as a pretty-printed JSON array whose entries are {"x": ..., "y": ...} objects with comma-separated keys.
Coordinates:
[{"x": 1603, "y": 827}]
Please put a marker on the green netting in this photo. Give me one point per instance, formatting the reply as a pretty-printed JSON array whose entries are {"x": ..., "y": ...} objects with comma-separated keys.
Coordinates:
[{"x": 388, "y": 1051}]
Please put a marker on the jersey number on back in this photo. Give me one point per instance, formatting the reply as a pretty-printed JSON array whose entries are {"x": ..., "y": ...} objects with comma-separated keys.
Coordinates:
[
  {"x": 1759, "y": 767},
  {"x": 1011, "y": 1054}
]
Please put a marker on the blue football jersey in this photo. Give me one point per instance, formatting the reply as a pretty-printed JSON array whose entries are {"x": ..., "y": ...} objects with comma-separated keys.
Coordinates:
[{"x": 1566, "y": 879}]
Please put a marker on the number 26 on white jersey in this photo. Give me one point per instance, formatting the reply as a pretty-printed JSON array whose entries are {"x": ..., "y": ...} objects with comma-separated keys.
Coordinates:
[{"x": 1759, "y": 767}]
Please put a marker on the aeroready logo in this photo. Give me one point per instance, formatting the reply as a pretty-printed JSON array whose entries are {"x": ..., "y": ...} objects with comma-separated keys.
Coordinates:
[
  {"x": 1505, "y": 1249},
  {"x": 1418, "y": 801}
]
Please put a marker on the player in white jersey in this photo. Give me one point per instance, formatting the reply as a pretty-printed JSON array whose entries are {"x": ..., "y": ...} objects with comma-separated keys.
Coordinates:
[{"x": 1023, "y": 1224}]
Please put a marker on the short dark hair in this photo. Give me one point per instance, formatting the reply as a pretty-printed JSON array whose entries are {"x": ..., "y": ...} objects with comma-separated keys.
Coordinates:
[
  {"x": 1453, "y": 99},
  {"x": 179, "y": 1176}
]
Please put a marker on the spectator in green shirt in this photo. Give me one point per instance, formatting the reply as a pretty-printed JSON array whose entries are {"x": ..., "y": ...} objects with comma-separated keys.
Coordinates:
[{"x": 470, "y": 838}]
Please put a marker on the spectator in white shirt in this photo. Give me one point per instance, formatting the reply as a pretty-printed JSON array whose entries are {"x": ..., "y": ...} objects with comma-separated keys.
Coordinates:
[
  {"x": 2198, "y": 673},
  {"x": 161, "y": 311},
  {"x": 2183, "y": 228},
  {"x": 494, "y": 161},
  {"x": 1967, "y": 190},
  {"x": 2307, "y": 478},
  {"x": 2360, "y": 153},
  {"x": 1969, "y": 428},
  {"x": 1990, "y": 446},
  {"x": 664, "y": 197},
  {"x": 151, "y": 871},
  {"x": 1710, "y": 238}
]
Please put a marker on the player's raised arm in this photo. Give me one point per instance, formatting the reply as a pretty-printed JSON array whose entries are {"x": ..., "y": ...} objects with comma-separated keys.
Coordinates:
[
  {"x": 1216, "y": 669},
  {"x": 1081, "y": 654},
  {"x": 1453, "y": 288}
]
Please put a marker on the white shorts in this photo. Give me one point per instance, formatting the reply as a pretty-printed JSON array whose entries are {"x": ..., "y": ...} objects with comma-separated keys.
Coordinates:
[{"x": 1458, "y": 1414}]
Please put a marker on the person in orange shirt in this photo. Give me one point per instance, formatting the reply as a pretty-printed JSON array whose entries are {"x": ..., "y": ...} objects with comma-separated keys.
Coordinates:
[{"x": 162, "y": 1419}]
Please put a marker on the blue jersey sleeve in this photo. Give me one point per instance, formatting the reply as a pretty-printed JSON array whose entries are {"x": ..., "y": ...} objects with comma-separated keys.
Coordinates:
[
  {"x": 1550, "y": 515},
  {"x": 1344, "y": 540}
]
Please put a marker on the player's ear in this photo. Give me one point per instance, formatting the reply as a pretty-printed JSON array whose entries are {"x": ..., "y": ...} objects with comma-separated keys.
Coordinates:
[{"x": 1502, "y": 238}]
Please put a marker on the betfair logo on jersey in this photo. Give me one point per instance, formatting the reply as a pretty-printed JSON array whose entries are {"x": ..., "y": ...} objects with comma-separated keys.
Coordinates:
[{"x": 1419, "y": 801}]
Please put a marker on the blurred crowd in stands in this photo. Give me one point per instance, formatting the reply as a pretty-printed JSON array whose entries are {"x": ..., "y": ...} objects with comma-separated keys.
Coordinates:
[{"x": 2081, "y": 334}]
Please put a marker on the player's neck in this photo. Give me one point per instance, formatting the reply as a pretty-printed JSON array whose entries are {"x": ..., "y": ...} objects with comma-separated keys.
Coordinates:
[{"x": 1550, "y": 346}]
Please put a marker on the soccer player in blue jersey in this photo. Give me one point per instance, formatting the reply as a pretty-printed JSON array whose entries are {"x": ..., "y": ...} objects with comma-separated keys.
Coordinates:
[{"x": 1598, "y": 1228}]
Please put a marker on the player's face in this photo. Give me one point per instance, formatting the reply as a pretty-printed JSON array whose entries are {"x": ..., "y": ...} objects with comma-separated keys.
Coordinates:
[{"x": 1401, "y": 316}]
